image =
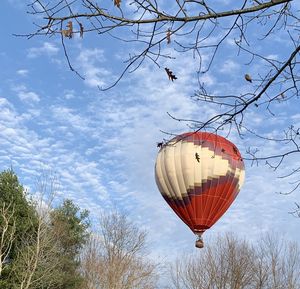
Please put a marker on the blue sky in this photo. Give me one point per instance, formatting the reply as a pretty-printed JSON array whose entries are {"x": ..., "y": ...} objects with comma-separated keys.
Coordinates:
[{"x": 102, "y": 144}]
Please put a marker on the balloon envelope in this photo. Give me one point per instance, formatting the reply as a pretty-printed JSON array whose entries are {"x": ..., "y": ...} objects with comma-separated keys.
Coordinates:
[{"x": 199, "y": 175}]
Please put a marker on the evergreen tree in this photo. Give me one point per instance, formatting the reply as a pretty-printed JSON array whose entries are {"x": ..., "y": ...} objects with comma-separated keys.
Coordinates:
[
  {"x": 41, "y": 245},
  {"x": 21, "y": 222},
  {"x": 70, "y": 225}
]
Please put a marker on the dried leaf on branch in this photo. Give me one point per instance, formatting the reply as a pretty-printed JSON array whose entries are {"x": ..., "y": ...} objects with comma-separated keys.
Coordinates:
[
  {"x": 248, "y": 77},
  {"x": 117, "y": 3},
  {"x": 169, "y": 36},
  {"x": 170, "y": 74},
  {"x": 69, "y": 31},
  {"x": 81, "y": 30}
]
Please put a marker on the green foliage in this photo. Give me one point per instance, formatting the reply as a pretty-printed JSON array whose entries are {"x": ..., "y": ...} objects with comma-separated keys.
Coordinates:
[
  {"x": 70, "y": 225},
  {"x": 11, "y": 191},
  {"x": 12, "y": 194},
  {"x": 46, "y": 242}
]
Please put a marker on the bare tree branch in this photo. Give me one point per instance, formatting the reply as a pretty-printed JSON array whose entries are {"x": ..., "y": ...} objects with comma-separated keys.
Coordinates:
[{"x": 7, "y": 232}]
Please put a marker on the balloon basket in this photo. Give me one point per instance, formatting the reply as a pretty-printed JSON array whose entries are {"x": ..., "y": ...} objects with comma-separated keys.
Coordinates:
[{"x": 199, "y": 242}]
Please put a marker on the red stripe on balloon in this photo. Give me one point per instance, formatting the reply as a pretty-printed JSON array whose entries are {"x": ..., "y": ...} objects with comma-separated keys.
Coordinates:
[{"x": 219, "y": 198}]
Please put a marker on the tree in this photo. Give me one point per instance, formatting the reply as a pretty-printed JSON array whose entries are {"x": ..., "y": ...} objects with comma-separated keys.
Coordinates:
[
  {"x": 39, "y": 244},
  {"x": 7, "y": 229},
  {"x": 17, "y": 220},
  {"x": 114, "y": 257},
  {"x": 202, "y": 29},
  {"x": 235, "y": 264},
  {"x": 36, "y": 260},
  {"x": 70, "y": 227}
]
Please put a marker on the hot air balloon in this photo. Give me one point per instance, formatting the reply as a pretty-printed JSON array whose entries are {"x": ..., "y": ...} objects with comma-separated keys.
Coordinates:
[{"x": 199, "y": 174}]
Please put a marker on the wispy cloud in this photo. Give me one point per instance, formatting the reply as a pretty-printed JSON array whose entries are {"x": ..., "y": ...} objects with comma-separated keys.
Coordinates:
[
  {"x": 229, "y": 67},
  {"x": 26, "y": 95},
  {"x": 47, "y": 48},
  {"x": 28, "y": 150},
  {"x": 23, "y": 72},
  {"x": 69, "y": 94},
  {"x": 90, "y": 62}
]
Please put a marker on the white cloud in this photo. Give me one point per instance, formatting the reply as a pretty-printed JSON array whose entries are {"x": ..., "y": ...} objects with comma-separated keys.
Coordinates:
[
  {"x": 23, "y": 72},
  {"x": 28, "y": 96},
  {"x": 25, "y": 95},
  {"x": 90, "y": 62},
  {"x": 70, "y": 118},
  {"x": 27, "y": 150},
  {"x": 272, "y": 56},
  {"x": 229, "y": 67},
  {"x": 207, "y": 79},
  {"x": 69, "y": 94},
  {"x": 47, "y": 48}
]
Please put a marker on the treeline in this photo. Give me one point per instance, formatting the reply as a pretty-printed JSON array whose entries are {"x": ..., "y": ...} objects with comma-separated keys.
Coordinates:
[
  {"x": 39, "y": 245},
  {"x": 231, "y": 263},
  {"x": 43, "y": 246}
]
